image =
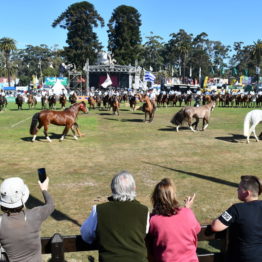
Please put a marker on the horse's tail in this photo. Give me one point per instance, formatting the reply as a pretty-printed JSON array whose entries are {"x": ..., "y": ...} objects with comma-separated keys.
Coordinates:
[
  {"x": 178, "y": 118},
  {"x": 34, "y": 122},
  {"x": 247, "y": 122}
]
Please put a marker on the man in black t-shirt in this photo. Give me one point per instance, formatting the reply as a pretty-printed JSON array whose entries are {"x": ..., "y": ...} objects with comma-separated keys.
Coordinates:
[{"x": 245, "y": 223}]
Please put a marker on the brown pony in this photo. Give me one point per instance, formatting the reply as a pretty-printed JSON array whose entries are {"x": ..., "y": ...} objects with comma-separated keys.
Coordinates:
[
  {"x": 188, "y": 113},
  {"x": 66, "y": 118},
  {"x": 31, "y": 101},
  {"x": 91, "y": 102},
  {"x": 148, "y": 108}
]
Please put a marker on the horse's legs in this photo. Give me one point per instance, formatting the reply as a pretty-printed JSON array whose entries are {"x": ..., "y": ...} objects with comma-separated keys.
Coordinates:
[
  {"x": 253, "y": 129},
  {"x": 46, "y": 134},
  {"x": 76, "y": 127},
  {"x": 205, "y": 125},
  {"x": 190, "y": 124},
  {"x": 67, "y": 127},
  {"x": 196, "y": 124},
  {"x": 74, "y": 133}
]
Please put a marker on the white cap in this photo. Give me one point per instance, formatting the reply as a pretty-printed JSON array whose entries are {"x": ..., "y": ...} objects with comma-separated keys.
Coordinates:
[{"x": 13, "y": 192}]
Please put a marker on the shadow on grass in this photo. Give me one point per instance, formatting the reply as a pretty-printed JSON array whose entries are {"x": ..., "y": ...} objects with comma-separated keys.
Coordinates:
[
  {"x": 57, "y": 215},
  {"x": 133, "y": 120},
  {"x": 138, "y": 113},
  {"x": 42, "y": 138},
  {"x": 104, "y": 114},
  {"x": 111, "y": 119},
  {"x": 209, "y": 178},
  {"x": 173, "y": 128},
  {"x": 234, "y": 138}
]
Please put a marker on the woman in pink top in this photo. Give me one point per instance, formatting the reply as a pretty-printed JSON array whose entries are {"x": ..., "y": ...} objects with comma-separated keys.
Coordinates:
[{"x": 173, "y": 229}]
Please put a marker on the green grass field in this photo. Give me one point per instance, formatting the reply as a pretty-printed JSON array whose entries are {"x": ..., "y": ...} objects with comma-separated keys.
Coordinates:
[{"x": 207, "y": 163}]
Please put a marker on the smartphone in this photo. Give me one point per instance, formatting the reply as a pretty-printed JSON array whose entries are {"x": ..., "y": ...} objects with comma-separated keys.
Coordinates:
[{"x": 41, "y": 174}]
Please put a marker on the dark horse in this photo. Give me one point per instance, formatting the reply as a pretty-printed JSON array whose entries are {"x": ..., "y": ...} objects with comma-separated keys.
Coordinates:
[
  {"x": 52, "y": 101},
  {"x": 3, "y": 102},
  {"x": 148, "y": 108},
  {"x": 62, "y": 100},
  {"x": 44, "y": 101},
  {"x": 66, "y": 118},
  {"x": 115, "y": 104},
  {"x": 19, "y": 101},
  {"x": 72, "y": 98},
  {"x": 188, "y": 113}
]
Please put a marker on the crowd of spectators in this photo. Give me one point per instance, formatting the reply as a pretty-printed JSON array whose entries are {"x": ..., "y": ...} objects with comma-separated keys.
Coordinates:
[{"x": 123, "y": 229}]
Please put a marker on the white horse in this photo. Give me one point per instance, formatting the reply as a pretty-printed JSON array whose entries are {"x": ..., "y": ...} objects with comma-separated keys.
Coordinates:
[{"x": 252, "y": 119}]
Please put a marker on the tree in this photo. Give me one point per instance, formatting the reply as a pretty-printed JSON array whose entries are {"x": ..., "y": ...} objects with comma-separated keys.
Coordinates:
[
  {"x": 7, "y": 45},
  {"x": 256, "y": 54},
  {"x": 242, "y": 59},
  {"x": 178, "y": 48},
  {"x": 124, "y": 37},
  {"x": 80, "y": 19},
  {"x": 152, "y": 52},
  {"x": 37, "y": 60}
]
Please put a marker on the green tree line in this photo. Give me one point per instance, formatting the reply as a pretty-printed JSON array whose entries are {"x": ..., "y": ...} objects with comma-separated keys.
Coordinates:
[{"x": 183, "y": 55}]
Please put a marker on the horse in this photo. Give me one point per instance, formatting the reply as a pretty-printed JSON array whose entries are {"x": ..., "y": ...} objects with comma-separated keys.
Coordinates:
[
  {"x": 52, "y": 101},
  {"x": 91, "y": 102},
  {"x": 72, "y": 98},
  {"x": 133, "y": 101},
  {"x": 44, "y": 101},
  {"x": 252, "y": 119},
  {"x": 62, "y": 100},
  {"x": 148, "y": 108},
  {"x": 31, "y": 101},
  {"x": 66, "y": 118},
  {"x": 19, "y": 100},
  {"x": 114, "y": 103},
  {"x": 3, "y": 102},
  {"x": 188, "y": 113}
]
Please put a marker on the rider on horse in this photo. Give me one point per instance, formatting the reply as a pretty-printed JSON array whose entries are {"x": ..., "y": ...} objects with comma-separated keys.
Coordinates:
[{"x": 152, "y": 96}]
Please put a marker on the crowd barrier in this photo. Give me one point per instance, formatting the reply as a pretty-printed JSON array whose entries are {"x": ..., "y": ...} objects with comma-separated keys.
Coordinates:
[{"x": 58, "y": 245}]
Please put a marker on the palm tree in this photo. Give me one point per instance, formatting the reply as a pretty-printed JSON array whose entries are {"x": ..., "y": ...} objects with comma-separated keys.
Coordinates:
[{"x": 7, "y": 45}]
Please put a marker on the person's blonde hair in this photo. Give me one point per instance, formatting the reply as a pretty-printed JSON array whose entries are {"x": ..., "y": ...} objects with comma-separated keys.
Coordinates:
[{"x": 164, "y": 198}]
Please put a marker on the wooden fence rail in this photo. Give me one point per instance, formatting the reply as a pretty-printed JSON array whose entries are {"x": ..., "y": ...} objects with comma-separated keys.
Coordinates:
[{"x": 58, "y": 245}]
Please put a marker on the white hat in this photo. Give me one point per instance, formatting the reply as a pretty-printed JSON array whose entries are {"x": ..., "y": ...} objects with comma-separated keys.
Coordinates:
[{"x": 13, "y": 192}]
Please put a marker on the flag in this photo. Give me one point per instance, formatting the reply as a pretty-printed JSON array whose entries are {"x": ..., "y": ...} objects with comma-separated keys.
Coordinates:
[
  {"x": 149, "y": 77},
  {"x": 199, "y": 73},
  {"x": 107, "y": 82},
  {"x": 190, "y": 71},
  {"x": 257, "y": 70}
]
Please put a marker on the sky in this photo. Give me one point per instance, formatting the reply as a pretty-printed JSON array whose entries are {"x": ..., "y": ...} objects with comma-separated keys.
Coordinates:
[{"x": 29, "y": 22}]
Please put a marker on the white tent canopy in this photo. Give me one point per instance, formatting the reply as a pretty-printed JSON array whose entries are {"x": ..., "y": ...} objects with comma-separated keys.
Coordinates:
[{"x": 58, "y": 88}]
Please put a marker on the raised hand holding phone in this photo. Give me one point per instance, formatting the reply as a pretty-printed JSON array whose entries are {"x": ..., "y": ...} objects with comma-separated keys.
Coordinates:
[{"x": 41, "y": 174}]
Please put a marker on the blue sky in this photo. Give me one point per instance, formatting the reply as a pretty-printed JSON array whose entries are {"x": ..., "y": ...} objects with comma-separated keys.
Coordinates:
[{"x": 228, "y": 21}]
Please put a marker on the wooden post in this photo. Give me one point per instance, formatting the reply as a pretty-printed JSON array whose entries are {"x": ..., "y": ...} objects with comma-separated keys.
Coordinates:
[{"x": 57, "y": 248}]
